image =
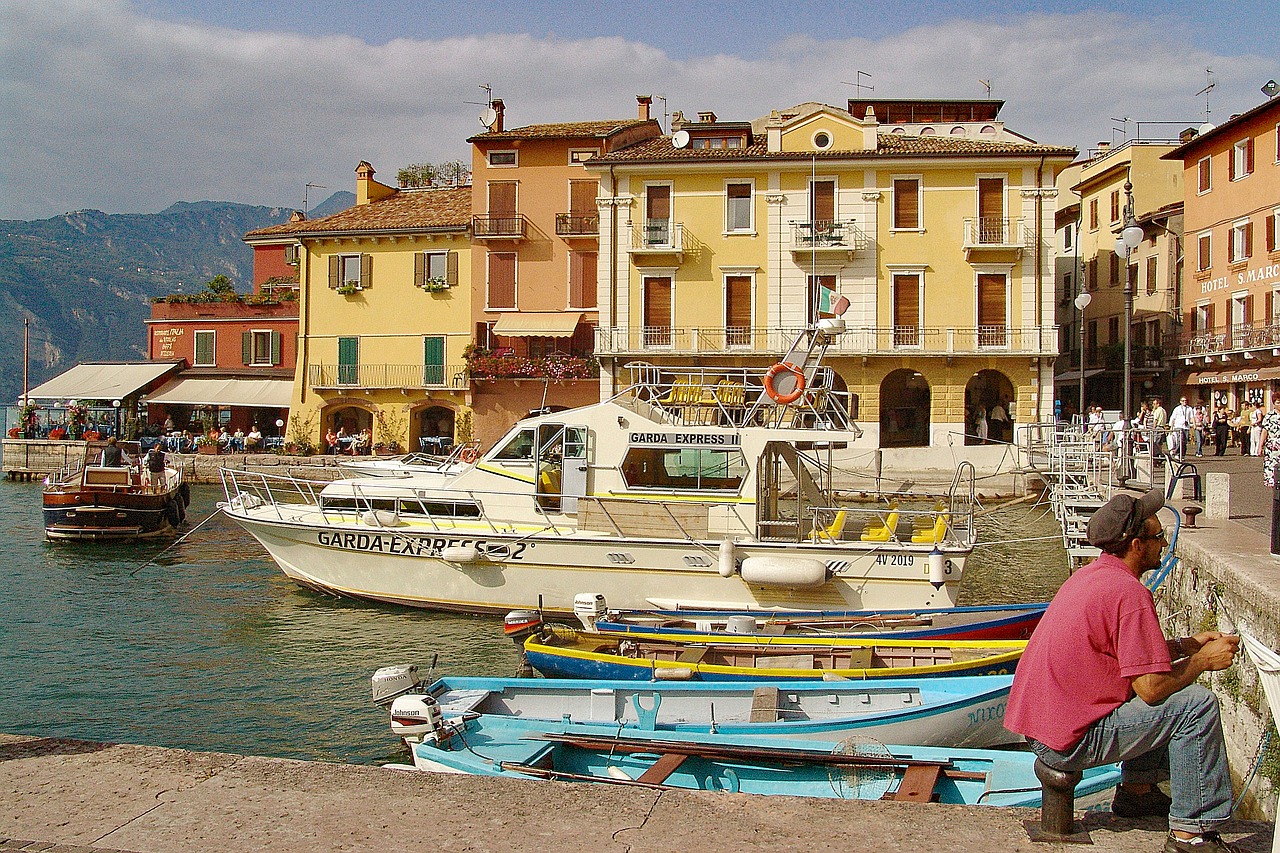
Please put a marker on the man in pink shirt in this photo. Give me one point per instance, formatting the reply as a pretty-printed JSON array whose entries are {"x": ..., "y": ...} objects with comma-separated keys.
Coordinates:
[{"x": 1099, "y": 683}]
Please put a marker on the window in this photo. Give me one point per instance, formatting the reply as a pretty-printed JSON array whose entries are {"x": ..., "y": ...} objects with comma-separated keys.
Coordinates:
[
  {"x": 502, "y": 158},
  {"x": 1091, "y": 273},
  {"x": 348, "y": 361},
  {"x": 822, "y": 208},
  {"x": 1273, "y": 225},
  {"x": 1114, "y": 270},
  {"x": 1204, "y": 259},
  {"x": 657, "y": 311},
  {"x": 351, "y": 271},
  {"x": 435, "y": 270},
  {"x": 581, "y": 155},
  {"x": 906, "y": 203},
  {"x": 737, "y": 311},
  {"x": 1202, "y": 319},
  {"x": 1113, "y": 330},
  {"x": 260, "y": 348},
  {"x": 1066, "y": 238},
  {"x": 991, "y": 224},
  {"x": 1115, "y": 206},
  {"x": 502, "y": 281},
  {"x": 1151, "y": 274},
  {"x": 1242, "y": 159},
  {"x": 710, "y": 142},
  {"x": 684, "y": 468},
  {"x": 906, "y": 309},
  {"x": 822, "y": 140},
  {"x": 1241, "y": 241},
  {"x": 817, "y": 284},
  {"x": 204, "y": 354},
  {"x": 992, "y": 315},
  {"x": 519, "y": 447},
  {"x": 1206, "y": 175},
  {"x": 433, "y": 360},
  {"x": 502, "y": 198},
  {"x": 1093, "y": 214},
  {"x": 1093, "y": 341},
  {"x": 738, "y": 206},
  {"x": 582, "y": 279},
  {"x": 657, "y": 213}
]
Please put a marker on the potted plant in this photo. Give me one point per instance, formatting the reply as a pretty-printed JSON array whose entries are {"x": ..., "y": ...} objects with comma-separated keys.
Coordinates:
[
  {"x": 349, "y": 288},
  {"x": 207, "y": 446},
  {"x": 437, "y": 284}
]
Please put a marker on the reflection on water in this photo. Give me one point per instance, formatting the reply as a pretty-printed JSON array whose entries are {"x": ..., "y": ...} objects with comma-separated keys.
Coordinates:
[{"x": 210, "y": 647}]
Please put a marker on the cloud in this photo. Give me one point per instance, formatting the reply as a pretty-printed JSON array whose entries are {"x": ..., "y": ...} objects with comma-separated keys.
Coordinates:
[{"x": 109, "y": 109}]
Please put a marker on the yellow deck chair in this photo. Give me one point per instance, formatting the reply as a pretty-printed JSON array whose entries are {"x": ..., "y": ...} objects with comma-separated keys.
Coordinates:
[
  {"x": 934, "y": 533},
  {"x": 882, "y": 529},
  {"x": 831, "y": 533}
]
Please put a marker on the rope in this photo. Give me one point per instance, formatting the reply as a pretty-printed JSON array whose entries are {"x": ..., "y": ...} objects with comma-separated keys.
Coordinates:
[{"x": 175, "y": 543}]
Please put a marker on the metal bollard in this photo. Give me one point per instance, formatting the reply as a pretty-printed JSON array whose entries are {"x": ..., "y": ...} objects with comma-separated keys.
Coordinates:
[{"x": 1057, "y": 807}]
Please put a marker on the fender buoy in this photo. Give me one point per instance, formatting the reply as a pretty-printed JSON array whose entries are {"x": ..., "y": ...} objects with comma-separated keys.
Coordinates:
[
  {"x": 469, "y": 455},
  {"x": 184, "y": 492},
  {"x": 778, "y": 378},
  {"x": 173, "y": 513}
]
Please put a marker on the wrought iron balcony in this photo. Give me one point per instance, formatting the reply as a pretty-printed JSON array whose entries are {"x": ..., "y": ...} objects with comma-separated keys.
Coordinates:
[
  {"x": 1258, "y": 340},
  {"x": 379, "y": 376},
  {"x": 885, "y": 340},
  {"x": 658, "y": 237},
  {"x": 577, "y": 224},
  {"x": 507, "y": 226},
  {"x": 993, "y": 236},
  {"x": 826, "y": 237}
]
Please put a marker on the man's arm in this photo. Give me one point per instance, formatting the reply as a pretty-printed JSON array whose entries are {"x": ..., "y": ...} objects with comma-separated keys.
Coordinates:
[{"x": 1209, "y": 652}]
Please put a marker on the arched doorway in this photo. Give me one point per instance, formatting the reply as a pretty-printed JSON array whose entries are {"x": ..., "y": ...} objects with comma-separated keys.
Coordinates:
[
  {"x": 350, "y": 419},
  {"x": 432, "y": 429},
  {"x": 988, "y": 407},
  {"x": 904, "y": 409}
]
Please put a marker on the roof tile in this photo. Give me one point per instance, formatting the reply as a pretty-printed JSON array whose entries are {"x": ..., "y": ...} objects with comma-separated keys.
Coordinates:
[
  {"x": 406, "y": 210},
  {"x": 562, "y": 130}
]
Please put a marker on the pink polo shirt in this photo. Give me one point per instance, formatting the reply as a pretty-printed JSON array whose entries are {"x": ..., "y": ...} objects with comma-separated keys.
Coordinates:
[{"x": 1100, "y": 631}]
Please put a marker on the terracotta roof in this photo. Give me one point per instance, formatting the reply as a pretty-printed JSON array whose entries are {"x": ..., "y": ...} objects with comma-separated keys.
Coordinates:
[
  {"x": 407, "y": 210},
  {"x": 891, "y": 145},
  {"x": 563, "y": 130},
  {"x": 1185, "y": 149}
]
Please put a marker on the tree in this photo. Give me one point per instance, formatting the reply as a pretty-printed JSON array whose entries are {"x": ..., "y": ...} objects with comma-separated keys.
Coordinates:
[
  {"x": 221, "y": 285},
  {"x": 448, "y": 174}
]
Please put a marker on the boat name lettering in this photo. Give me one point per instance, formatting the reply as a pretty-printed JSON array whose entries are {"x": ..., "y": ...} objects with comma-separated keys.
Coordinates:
[
  {"x": 895, "y": 560},
  {"x": 989, "y": 714},
  {"x": 682, "y": 438},
  {"x": 388, "y": 544}
]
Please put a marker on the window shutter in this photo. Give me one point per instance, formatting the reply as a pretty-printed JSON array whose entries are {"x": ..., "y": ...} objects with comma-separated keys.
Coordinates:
[
  {"x": 291, "y": 253},
  {"x": 366, "y": 271},
  {"x": 502, "y": 280},
  {"x": 246, "y": 347},
  {"x": 906, "y": 204},
  {"x": 1248, "y": 239},
  {"x": 419, "y": 269},
  {"x": 1231, "y": 165},
  {"x": 275, "y": 347},
  {"x": 1248, "y": 156},
  {"x": 738, "y": 309},
  {"x": 335, "y": 271},
  {"x": 1271, "y": 233},
  {"x": 1204, "y": 253},
  {"x": 451, "y": 269},
  {"x": 582, "y": 198},
  {"x": 1204, "y": 174}
]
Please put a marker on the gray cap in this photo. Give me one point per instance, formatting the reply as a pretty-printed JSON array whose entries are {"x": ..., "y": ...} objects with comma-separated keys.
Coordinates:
[{"x": 1122, "y": 517}]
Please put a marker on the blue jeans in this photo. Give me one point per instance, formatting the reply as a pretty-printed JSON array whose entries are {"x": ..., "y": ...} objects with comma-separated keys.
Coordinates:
[{"x": 1181, "y": 736}]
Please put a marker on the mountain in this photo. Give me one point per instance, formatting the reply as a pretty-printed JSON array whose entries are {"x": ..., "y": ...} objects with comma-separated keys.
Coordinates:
[{"x": 86, "y": 279}]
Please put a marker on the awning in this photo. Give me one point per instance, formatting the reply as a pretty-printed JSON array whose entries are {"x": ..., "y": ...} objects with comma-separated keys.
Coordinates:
[
  {"x": 559, "y": 324},
  {"x": 1074, "y": 375},
  {"x": 1231, "y": 377},
  {"x": 103, "y": 381},
  {"x": 218, "y": 391}
]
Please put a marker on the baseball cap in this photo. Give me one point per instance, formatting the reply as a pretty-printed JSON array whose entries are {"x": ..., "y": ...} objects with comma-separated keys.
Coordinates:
[{"x": 1122, "y": 518}]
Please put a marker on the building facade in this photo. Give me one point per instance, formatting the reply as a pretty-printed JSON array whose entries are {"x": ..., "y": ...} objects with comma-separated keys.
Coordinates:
[{"x": 1231, "y": 314}]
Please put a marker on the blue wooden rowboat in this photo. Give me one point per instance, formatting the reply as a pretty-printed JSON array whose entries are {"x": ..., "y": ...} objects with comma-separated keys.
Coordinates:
[
  {"x": 491, "y": 745},
  {"x": 930, "y": 712},
  {"x": 561, "y": 652}
]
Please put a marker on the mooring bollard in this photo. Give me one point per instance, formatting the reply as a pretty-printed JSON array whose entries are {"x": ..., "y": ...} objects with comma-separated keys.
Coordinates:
[{"x": 1057, "y": 807}]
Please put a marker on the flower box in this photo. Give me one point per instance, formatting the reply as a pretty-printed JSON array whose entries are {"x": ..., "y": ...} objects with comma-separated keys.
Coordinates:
[{"x": 208, "y": 449}]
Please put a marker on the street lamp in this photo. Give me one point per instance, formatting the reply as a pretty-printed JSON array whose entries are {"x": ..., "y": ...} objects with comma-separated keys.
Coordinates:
[
  {"x": 1128, "y": 239},
  {"x": 1082, "y": 302},
  {"x": 115, "y": 404}
]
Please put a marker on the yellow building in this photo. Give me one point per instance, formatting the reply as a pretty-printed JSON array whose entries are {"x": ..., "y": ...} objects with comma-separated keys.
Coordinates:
[
  {"x": 934, "y": 221},
  {"x": 385, "y": 316}
]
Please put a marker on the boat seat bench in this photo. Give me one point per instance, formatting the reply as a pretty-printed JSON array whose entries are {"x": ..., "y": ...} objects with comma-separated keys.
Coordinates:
[{"x": 764, "y": 705}]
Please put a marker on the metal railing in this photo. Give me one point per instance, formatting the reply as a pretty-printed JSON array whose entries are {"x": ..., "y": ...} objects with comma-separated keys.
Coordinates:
[
  {"x": 507, "y": 226},
  {"x": 657, "y": 235},
  {"x": 737, "y": 340},
  {"x": 1259, "y": 334},
  {"x": 387, "y": 376},
  {"x": 827, "y": 234},
  {"x": 577, "y": 224},
  {"x": 995, "y": 231}
]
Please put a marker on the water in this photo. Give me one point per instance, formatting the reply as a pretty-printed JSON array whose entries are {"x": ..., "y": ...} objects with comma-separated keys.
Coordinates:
[{"x": 211, "y": 648}]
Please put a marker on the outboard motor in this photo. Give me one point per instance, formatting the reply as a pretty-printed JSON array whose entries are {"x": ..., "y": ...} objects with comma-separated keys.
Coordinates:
[
  {"x": 390, "y": 682},
  {"x": 589, "y": 607},
  {"x": 417, "y": 717},
  {"x": 519, "y": 625}
]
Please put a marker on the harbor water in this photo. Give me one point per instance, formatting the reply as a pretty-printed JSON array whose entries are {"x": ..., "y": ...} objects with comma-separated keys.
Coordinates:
[{"x": 209, "y": 647}]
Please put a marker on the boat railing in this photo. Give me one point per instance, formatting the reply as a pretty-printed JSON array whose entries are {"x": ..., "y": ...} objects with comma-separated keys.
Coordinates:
[{"x": 251, "y": 489}]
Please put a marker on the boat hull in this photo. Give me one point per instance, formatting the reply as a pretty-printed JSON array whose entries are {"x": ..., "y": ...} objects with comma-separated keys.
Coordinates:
[
  {"x": 94, "y": 516},
  {"x": 517, "y": 568}
]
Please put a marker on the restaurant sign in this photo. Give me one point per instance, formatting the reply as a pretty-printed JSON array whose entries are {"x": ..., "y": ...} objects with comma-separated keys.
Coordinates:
[{"x": 1228, "y": 378}]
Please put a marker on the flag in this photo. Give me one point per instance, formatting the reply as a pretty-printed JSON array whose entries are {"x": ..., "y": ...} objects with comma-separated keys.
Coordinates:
[{"x": 831, "y": 303}]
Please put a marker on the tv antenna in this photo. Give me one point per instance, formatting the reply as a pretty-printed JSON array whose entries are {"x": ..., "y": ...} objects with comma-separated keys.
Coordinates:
[
  {"x": 1206, "y": 90},
  {"x": 858, "y": 85},
  {"x": 665, "y": 114},
  {"x": 1124, "y": 126},
  {"x": 490, "y": 115},
  {"x": 986, "y": 84},
  {"x": 306, "y": 196}
]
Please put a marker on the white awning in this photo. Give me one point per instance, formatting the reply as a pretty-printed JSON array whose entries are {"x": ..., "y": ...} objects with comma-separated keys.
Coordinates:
[
  {"x": 108, "y": 381},
  {"x": 1074, "y": 375},
  {"x": 218, "y": 391},
  {"x": 559, "y": 324}
]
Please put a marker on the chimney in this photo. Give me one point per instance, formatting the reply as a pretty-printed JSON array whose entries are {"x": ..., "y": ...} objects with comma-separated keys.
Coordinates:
[
  {"x": 644, "y": 101},
  {"x": 870, "y": 130},
  {"x": 707, "y": 117},
  {"x": 499, "y": 108},
  {"x": 367, "y": 189},
  {"x": 773, "y": 132},
  {"x": 678, "y": 121},
  {"x": 1103, "y": 148},
  {"x": 1188, "y": 134},
  {"x": 297, "y": 216}
]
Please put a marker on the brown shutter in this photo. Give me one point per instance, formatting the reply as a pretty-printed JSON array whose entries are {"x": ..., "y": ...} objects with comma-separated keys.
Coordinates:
[
  {"x": 658, "y": 202},
  {"x": 502, "y": 198},
  {"x": 1093, "y": 213},
  {"x": 451, "y": 269},
  {"x": 737, "y": 310},
  {"x": 822, "y": 200},
  {"x": 502, "y": 280},
  {"x": 1204, "y": 174},
  {"x": 1231, "y": 164},
  {"x": 582, "y": 279},
  {"x": 657, "y": 311},
  {"x": 1271, "y": 232},
  {"x": 991, "y": 292},
  {"x": 906, "y": 310},
  {"x": 1208, "y": 316},
  {"x": 1204, "y": 252},
  {"x": 1248, "y": 308},
  {"x": 1248, "y": 156},
  {"x": 335, "y": 271},
  {"x": 366, "y": 271},
  {"x": 582, "y": 197},
  {"x": 1248, "y": 239},
  {"x": 906, "y": 204},
  {"x": 419, "y": 269}
]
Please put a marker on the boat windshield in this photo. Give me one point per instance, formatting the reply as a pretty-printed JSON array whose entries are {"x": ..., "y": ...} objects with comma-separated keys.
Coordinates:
[
  {"x": 519, "y": 446},
  {"x": 684, "y": 468}
]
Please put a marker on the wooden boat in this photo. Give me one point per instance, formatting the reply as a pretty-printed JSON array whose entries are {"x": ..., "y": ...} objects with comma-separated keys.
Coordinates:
[
  {"x": 930, "y": 712},
  {"x": 93, "y": 502},
  {"x": 494, "y": 745},
  {"x": 987, "y": 622},
  {"x": 561, "y": 652}
]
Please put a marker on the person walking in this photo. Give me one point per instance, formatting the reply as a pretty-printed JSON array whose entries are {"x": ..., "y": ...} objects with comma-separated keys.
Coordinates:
[
  {"x": 1269, "y": 441},
  {"x": 1180, "y": 423},
  {"x": 1256, "y": 414},
  {"x": 1199, "y": 429},
  {"x": 1099, "y": 683}
]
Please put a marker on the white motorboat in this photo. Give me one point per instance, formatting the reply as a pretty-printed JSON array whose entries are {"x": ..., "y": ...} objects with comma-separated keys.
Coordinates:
[
  {"x": 691, "y": 488},
  {"x": 411, "y": 464}
]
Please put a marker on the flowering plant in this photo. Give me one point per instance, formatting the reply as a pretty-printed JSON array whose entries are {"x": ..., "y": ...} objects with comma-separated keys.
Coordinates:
[
  {"x": 77, "y": 414},
  {"x": 483, "y": 364}
]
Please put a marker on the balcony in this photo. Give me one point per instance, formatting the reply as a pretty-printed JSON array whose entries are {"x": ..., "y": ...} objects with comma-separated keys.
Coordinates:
[
  {"x": 507, "y": 226},
  {"x": 577, "y": 225},
  {"x": 992, "y": 238},
  {"x": 826, "y": 240},
  {"x": 887, "y": 340},
  {"x": 359, "y": 377},
  {"x": 1241, "y": 342},
  {"x": 657, "y": 238}
]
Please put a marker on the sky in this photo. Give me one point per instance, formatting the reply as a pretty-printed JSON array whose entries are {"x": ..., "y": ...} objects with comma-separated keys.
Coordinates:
[{"x": 127, "y": 107}]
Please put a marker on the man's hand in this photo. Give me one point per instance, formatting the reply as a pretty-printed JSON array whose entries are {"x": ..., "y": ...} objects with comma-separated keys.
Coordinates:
[{"x": 1210, "y": 651}]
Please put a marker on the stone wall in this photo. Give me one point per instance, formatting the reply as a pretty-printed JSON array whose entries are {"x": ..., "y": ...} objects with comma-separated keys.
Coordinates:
[{"x": 45, "y": 457}]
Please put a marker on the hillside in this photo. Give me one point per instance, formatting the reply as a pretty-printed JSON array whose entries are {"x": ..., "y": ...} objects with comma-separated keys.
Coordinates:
[{"x": 86, "y": 279}]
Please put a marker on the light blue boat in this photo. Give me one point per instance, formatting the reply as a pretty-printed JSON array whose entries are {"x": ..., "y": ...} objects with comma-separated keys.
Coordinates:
[
  {"x": 934, "y": 711},
  {"x": 493, "y": 745}
]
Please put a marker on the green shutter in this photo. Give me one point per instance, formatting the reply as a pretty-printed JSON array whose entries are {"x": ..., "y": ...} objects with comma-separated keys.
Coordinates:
[
  {"x": 433, "y": 360},
  {"x": 366, "y": 271},
  {"x": 348, "y": 361},
  {"x": 275, "y": 347},
  {"x": 246, "y": 347},
  {"x": 335, "y": 271}
]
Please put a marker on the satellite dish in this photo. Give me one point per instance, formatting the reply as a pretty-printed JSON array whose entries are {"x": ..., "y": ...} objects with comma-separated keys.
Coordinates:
[
  {"x": 1206, "y": 127},
  {"x": 488, "y": 117},
  {"x": 680, "y": 139},
  {"x": 1270, "y": 88}
]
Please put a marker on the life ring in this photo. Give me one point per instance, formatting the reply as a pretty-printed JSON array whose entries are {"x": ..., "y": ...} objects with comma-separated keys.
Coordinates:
[
  {"x": 469, "y": 455},
  {"x": 770, "y": 380}
]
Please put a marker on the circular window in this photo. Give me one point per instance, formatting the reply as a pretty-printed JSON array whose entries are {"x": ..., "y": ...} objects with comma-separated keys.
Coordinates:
[
  {"x": 928, "y": 131},
  {"x": 822, "y": 140},
  {"x": 988, "y": 130}
]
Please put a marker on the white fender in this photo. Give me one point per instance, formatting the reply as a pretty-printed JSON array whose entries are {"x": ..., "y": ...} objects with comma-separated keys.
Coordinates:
[
  {"x": 460, "y": 554},
  {"x": 728, "y": 559},
  {"x": 784, "y": 571},
  {"x": 939, "y": 568}
]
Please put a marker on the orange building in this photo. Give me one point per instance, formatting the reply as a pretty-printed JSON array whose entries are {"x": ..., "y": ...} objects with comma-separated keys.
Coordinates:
[{"x": 1229, "y": 351}]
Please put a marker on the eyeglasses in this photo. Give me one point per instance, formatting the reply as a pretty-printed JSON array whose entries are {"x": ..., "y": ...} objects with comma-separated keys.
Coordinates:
[{"x": 1162, "y": 536}]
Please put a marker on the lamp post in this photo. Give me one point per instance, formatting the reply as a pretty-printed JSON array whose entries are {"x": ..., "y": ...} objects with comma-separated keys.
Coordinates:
[
  {"x": 1127, "y": 240},
  {"x": 1082, "y": 302},
  {"x": 115, "y": 404}
]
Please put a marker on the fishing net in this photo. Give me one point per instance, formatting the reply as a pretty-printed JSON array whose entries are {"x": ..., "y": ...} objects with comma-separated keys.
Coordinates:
[{"x": 855, "y": 781}]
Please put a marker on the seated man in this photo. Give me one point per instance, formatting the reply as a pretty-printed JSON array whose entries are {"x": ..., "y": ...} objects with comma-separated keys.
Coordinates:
[
  {"x": 253, "y": 441},
  {"x": 1099, "y": 683}
]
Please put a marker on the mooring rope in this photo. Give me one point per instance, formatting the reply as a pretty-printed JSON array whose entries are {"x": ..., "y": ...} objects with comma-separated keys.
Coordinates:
[{"x": 175, "y": 543}]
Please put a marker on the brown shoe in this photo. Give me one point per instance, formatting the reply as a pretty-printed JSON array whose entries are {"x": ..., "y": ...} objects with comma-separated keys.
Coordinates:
[{"x": 1206, "y": 842}]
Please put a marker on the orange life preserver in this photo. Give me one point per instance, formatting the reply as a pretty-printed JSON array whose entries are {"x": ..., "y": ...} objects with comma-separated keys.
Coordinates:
[
  {"x": 469, "y": 455},
  {"x": 776, "y": 371}
]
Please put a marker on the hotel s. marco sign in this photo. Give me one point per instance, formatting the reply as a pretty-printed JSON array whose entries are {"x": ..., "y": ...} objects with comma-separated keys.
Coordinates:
[{"x": 1255, "y": 275}]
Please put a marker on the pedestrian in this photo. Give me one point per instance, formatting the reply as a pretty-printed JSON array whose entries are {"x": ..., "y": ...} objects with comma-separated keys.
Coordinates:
[
  {"x": 113, "y": 455},
  {"x": 1199, "y": 429},
  {"x": 1180, "y": 423},
  {"x": 1256, "y": 414},
  {"x": 1099, "y": 683},
  {"x": 1221, "y": 430},
  {"x": 1269, "y": 440},
  {"x": 155, "y": 468},
  {"x": 1240, "y": 428}
]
